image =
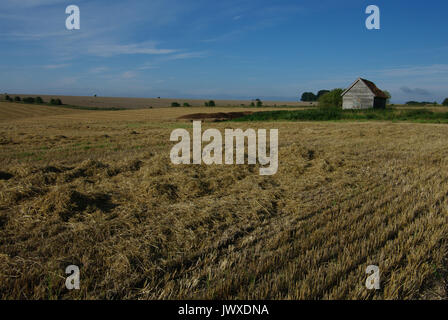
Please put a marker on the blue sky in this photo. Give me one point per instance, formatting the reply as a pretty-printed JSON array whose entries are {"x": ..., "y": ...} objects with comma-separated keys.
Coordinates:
[{"x": 223, "y": 49}]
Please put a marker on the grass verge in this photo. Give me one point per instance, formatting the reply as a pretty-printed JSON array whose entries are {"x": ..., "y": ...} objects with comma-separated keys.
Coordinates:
[{"x": 331, "y": 114}]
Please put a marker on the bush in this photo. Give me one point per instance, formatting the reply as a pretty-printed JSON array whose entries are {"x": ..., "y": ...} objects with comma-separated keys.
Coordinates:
[
  {"x": 175, "y": 104},
  {"x": 39, "y": 100},
  {"x": 8, "y": 98},
  {"x": 17, "y": 99},
  {"x": 389, "y": 96},
  {"x": 211, "y": 103},
  {"x": 259, "y": 103},
  {"x": 186, "y": 104},
  {"x": 445, "y": 102},
  {"x": 29, "y": 100},
  {"x": 56, "y": 102},
  {"x": 331, "y": 99},
  {"x": 321, "y": 93},
  {"x": 308, "y": 96}
]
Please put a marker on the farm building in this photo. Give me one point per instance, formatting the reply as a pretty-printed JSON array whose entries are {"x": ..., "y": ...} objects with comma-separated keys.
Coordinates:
[{"x": 363, "y": 94}]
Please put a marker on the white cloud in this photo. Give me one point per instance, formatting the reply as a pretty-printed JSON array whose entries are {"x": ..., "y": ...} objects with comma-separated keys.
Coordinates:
[
  {"x": 68, "y": 81},
  {"x": 147, "y": 66},
  {"x": 30, "y": 3},
  {"x": 407, "y": 71},
  {"x": 186, "y": 55},
  {"x": 56, "y": 66},
  {"x": 22, "y": 36},
  {"x": 129, "y": 75},
  {"x": 108, "y": 50},
  {"x": 179, "y": 56},
  {"x": 98, "y": 69}
]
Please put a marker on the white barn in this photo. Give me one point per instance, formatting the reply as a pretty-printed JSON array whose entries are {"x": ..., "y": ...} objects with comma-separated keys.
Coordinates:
[{"x": 363, "y": 94}]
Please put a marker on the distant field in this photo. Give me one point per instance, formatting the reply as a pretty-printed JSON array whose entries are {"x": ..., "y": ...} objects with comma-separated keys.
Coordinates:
[
  {"x": 29, "y": 112},
  {"x": 142, "y": 103},
  {"x": 14, "y": 111},
  {"x": 97, "y": 189}
]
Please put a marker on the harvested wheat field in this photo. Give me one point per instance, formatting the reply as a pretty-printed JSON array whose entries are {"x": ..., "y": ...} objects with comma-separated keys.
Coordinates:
[
  {"x": 143, "y": 103},
  {"x": 98, "y": 190}
]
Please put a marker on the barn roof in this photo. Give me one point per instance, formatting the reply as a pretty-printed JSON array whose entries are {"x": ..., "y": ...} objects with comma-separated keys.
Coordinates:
[{"x": 377, "y": 92}]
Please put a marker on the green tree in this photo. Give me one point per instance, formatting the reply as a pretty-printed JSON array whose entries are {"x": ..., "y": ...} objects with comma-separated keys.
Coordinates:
[
  {"x": 175, "y": 104},
  {"x": 39, "y": 100},
  {"x": 29, "y": 100},
  {"x": 17, "y": 99},
  {"x": 389, "y": 96},
  {"x": 321, "y": 93},
  {"x": 445, "y": 102},
  {"x": 308, "y": 97},
  {"x": 331, "y": 99},
  {"x": 56, "y": 102},
  {"x": 211, "y": 103}
]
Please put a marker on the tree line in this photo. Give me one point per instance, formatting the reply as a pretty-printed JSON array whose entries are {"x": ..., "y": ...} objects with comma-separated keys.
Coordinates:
[
  {"x": 330, "y": 98},
  {"x": 424, "y": 103},
  {"x": 31, "y": 100},
  {"x": 311, "y": 97},
  {"x": 326, "y": 98}
]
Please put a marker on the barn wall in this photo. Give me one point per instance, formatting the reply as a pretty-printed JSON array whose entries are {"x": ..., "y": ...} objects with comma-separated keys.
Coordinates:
[
  {"x": 347, "y": 102},
  {"x": 358, "y": 97}
]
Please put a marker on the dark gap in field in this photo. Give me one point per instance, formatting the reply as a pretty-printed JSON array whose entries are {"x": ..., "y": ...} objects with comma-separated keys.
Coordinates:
[{"x": 5, "y": 175}]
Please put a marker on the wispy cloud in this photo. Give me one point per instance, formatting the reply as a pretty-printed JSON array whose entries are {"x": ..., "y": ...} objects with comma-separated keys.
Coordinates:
[
  {"x": 179, "y": 56},
  {"x": 128, "y": 74},
  {"x": 415, "y": 91},
  {"x": 68, "y": 81},
  {"x": 97, "y": 70},
  {"x": 407, "y": 71},
  {"x": 21, "y": 36},
  {"x": 108, "y": 50},
  {"x": 56, "y": 66},
  {"x": 186, "y": 55},
  {"x": 148, "y": 66},
  {"x": 30, "y": 3},
  {"x": 255, "y": 19}
]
